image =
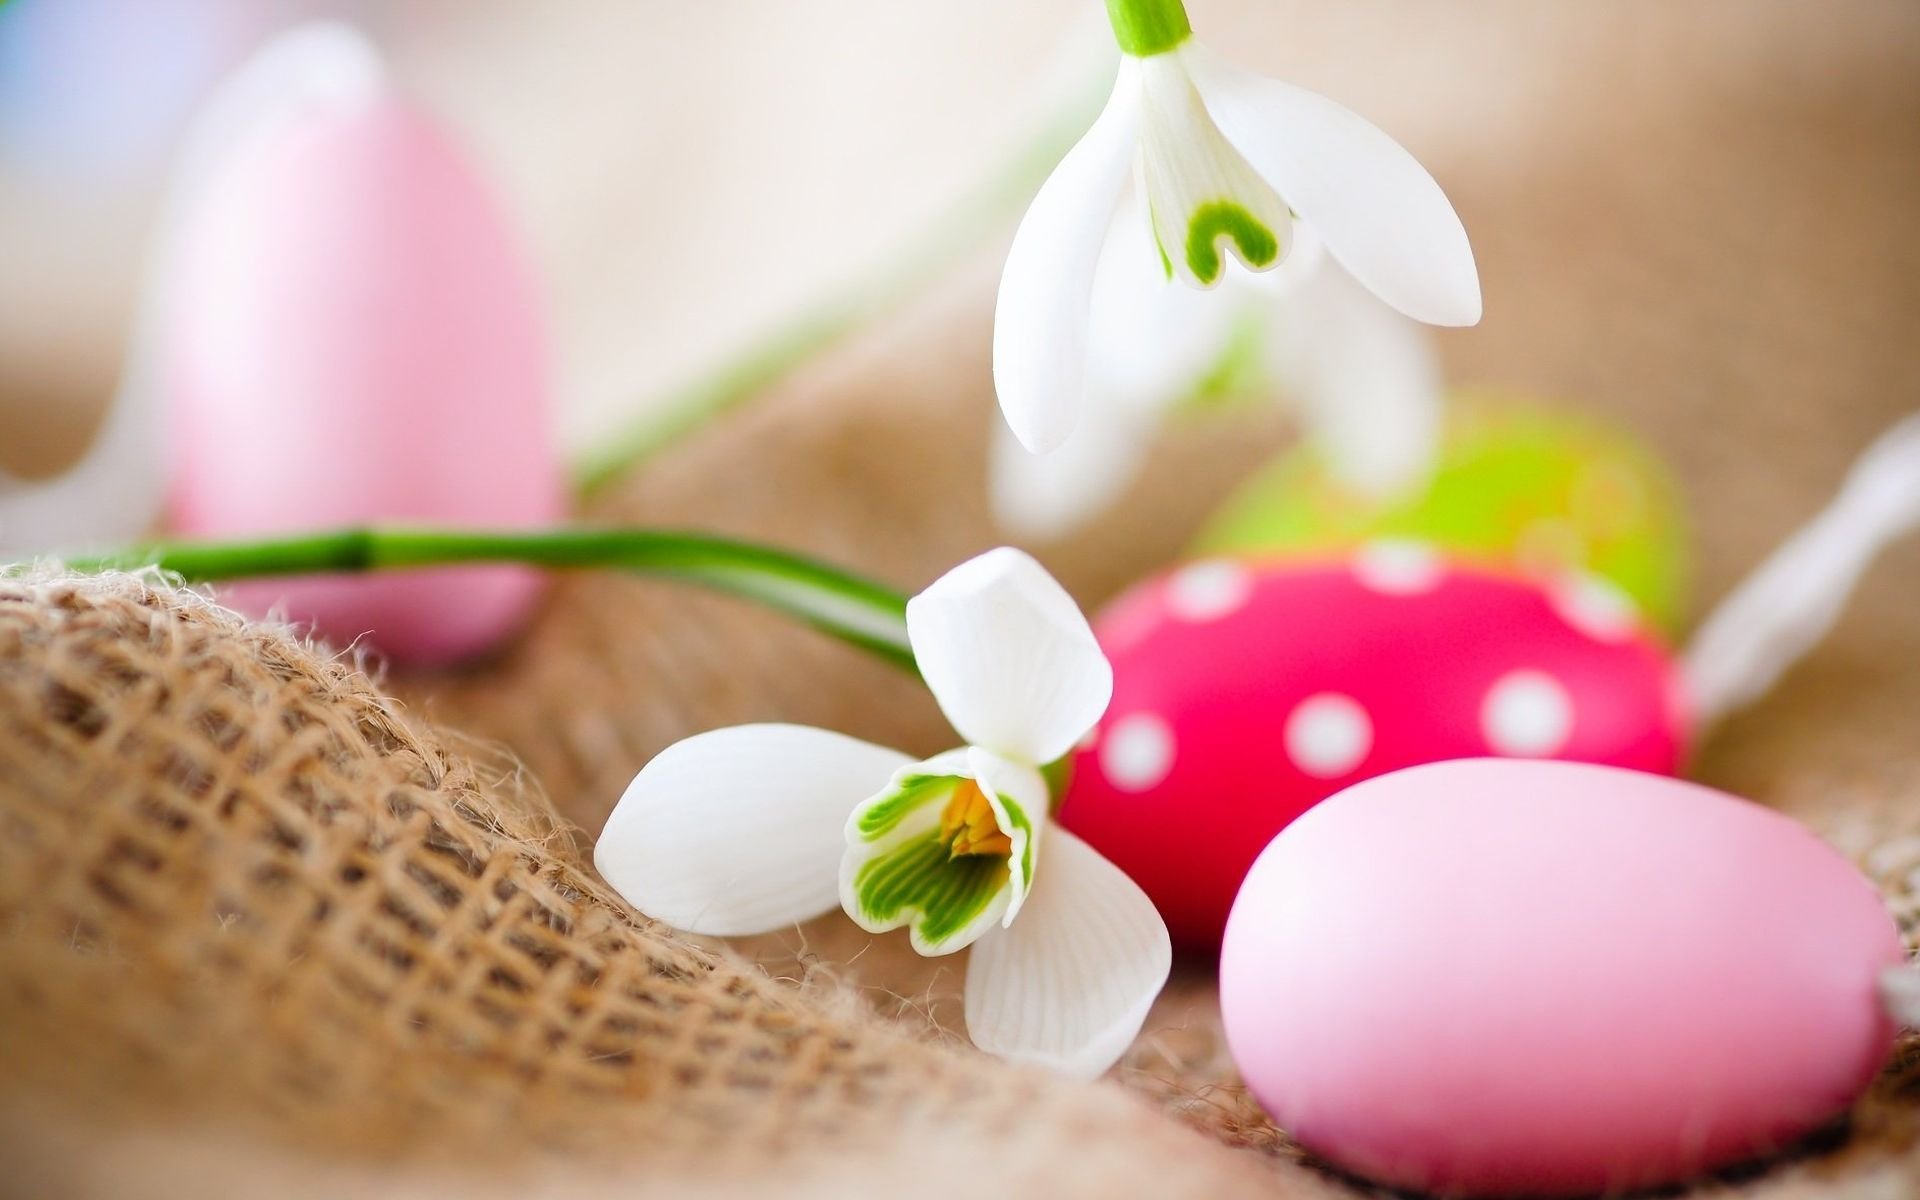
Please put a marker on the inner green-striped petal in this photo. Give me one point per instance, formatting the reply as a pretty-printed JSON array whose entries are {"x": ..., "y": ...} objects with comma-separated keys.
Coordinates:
[
  {"x": 909, "y": 794},
  {"x": 1204, "y": 200},
  {"x": 943, "y": 850},
  {"x": 919, "y": 882}
]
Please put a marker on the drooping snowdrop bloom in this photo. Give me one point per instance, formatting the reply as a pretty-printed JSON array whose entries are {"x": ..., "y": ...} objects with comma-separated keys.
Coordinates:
[
  {"x": 1363, "y": 381},
  {"x": 1227, "y": 164},
  {"x": 754, "y": 828}
]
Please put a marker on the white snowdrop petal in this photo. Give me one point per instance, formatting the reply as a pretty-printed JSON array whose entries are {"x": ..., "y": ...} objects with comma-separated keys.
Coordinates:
[
  {"x": 1041, "y": 317},
  {"x": 1152, "y": 341},
  {"x": 1069, "y": 984},
  {"x": 1368, "y": 382},
  {"x": 1153, "y": 338},
  {"x": 1045, "y": 496},
  {"x": 1009, "y": 656},
  {"x": 1021, "y": 801},
  {"x": 1205, "y": 201},
  {"x": 1527, "y": 714},
  {"x": 1378, "y": 210},
  {"x": 740, "y": 830}
]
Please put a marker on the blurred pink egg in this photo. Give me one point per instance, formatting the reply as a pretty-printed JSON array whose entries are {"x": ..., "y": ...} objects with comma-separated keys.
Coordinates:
[
  {"x": 1498, "y": 978},
  {"x": 1246, "y": 693},
  {"x": 352, "y": 335}
]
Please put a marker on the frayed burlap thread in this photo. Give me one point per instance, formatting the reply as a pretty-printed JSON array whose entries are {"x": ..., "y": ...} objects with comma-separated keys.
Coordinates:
[
  {"x": 243, "y": 892},
  {"x": 1695, "y": 219}
]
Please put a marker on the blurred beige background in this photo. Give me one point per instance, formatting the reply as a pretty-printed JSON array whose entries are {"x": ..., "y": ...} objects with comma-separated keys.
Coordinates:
[
  {"x": 689, "y": 176},
  {"x": 686, "y": 175}
]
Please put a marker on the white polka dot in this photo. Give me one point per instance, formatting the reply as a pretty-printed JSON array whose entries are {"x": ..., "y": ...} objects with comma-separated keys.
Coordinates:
[
  {"x": 1328, "y": 735},
  {"x": 1527, "y": 714},
  {"x": 1596, "y": 608},
  {"x": 1207, "y": 591},
  {"x": 1398, "y": 568},
  {"x": 1137, "y": 752}
]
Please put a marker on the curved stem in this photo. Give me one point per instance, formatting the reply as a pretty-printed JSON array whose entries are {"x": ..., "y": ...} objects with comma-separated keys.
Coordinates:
[{"x": 855, "y": 609}]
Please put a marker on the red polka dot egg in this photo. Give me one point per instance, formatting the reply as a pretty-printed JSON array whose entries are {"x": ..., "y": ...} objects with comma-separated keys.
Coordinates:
[{"x": 1245, "y": 693}]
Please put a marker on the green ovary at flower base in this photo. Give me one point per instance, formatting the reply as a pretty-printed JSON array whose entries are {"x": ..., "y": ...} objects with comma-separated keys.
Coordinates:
[
  {"x": 753, "y": 828},
  {"x": 1148, "y": 27}
]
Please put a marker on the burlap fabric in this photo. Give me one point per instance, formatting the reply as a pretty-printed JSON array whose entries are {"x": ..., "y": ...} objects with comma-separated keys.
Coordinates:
[
  {"x": 241, "y": 890},
  {"x": 265, "y": 924}
]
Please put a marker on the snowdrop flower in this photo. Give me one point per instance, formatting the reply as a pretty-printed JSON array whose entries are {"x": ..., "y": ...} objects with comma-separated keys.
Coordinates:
[
  {"x": 754, "y": 828},
  {"x": 1364, "y": 380},
  {"x": 1225, "y": 164}
]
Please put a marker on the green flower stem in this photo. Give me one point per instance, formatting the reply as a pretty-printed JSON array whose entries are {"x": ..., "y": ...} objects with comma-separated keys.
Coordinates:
[
  {"x": 975, "y": 217},
  {"x": 852, "y": 608},
  {"x": 1145, "y": 28}
]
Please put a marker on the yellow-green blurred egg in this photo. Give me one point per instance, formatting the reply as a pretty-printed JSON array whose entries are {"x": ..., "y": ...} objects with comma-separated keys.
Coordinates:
[{"x": 1517, "y": 488}]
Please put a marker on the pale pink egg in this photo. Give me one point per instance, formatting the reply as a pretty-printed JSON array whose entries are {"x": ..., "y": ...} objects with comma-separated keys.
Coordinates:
[
  {"x": 352, "y": 336},
  {"x": 1245, "y": 693},
  {"x": 1507, "y": 978}
]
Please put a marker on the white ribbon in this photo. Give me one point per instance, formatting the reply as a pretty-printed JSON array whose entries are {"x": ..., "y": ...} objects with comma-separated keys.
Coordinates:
[
  {"x": 115, "y": 492},
  {"x": 1789, "y": 604}
]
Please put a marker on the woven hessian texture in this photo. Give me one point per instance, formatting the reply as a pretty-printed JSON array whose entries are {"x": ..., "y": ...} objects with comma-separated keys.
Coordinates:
[
  {"x": 238, "y": 883},
  {"x": 383, "y": 957}
]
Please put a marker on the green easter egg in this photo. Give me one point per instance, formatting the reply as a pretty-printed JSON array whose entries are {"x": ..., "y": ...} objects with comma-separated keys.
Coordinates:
[{"x": 1516, "y": 488}]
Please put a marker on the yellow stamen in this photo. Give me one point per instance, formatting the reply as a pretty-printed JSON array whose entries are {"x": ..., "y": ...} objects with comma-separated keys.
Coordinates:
[{"x": 968, "y": 825}]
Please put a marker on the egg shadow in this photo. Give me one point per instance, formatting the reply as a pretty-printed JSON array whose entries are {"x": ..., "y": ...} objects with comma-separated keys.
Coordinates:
[{"x": 1830, "y": 1139}]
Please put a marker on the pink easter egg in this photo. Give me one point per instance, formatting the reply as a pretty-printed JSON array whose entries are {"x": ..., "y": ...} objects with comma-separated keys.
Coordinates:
[
  {"x": 1245, "y": 693},
  {"x": 1503, "y": 978},
  {"x": 353, "y": 336}
]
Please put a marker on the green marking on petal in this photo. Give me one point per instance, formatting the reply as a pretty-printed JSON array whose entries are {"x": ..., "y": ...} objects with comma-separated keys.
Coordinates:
[
  {"x": 939, "y": 851},
  {"x": 1258, "y": 245},
  {"x": 920, "y": 882},
  {"x": 1159, "y": 246},
  {"x": 1017, "y": 817},
  {"x": 883, "y": 814}
]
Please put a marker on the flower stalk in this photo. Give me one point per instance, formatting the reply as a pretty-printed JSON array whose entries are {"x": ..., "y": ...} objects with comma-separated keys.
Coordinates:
[
  {"x": 1148, "y": 27},
  {"x": 850, "y": 607}
]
